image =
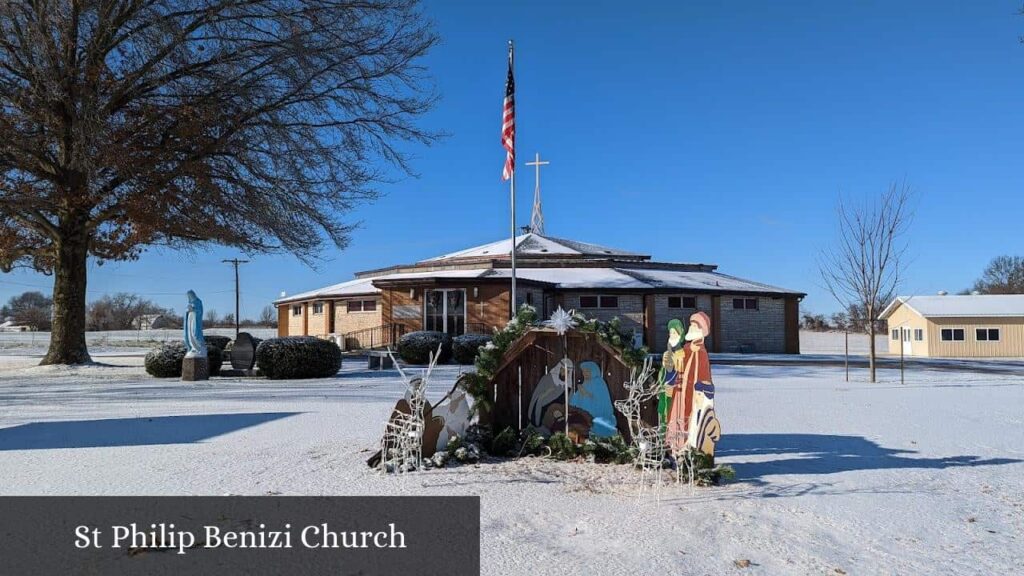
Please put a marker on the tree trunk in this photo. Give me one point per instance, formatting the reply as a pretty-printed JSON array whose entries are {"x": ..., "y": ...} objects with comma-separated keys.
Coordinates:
[
  {"x": 871, "y": 344},
  {"x": 67, "y": 339}
]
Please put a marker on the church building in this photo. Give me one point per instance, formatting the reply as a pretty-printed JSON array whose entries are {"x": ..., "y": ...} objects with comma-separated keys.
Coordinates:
[{"x": 469, "y": 291}]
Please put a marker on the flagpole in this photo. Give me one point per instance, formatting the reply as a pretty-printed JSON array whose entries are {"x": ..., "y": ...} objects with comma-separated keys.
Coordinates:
[{"x": 512, "y": 194}]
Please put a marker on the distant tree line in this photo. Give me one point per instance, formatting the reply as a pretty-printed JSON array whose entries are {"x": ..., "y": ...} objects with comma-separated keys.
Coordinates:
[
  {"x": 1003, "y": 275},
  {"x": 853, "y": 320},
  {"x": 121, "y": 311}
]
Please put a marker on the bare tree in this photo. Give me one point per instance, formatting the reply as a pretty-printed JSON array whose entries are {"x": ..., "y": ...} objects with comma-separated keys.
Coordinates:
[
  {"x": 256, "y": 124},
  {"x": 268, "y": 316},
  {"x": 1003, "y": 275},
  {"x": 863, "y": 269}
]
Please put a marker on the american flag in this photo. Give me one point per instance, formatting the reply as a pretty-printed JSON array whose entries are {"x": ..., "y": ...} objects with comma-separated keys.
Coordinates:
[{"x": 508, "y": 123}]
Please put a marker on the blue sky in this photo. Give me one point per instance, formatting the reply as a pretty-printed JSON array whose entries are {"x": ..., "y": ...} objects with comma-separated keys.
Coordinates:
[{"x": 692, "y": 131}]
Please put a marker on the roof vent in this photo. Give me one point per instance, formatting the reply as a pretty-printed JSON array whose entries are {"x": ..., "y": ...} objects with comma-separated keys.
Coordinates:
[{"x": 943, "y": 293}]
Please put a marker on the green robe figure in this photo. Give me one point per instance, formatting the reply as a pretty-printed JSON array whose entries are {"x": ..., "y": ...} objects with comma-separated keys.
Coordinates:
[{"x": 670, "y": 360}]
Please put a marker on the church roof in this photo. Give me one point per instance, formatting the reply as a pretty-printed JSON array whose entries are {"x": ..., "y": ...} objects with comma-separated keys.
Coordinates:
[{"x": 539, "y": 246}]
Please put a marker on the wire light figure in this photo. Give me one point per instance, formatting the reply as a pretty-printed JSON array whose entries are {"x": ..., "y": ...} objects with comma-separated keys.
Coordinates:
[
  {"x": 649, "y": 441},
  {"x": 402, "y": 444}
]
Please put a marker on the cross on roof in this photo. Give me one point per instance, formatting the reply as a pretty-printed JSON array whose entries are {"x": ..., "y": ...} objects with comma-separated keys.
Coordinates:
[{"x": 537, "y": 216}]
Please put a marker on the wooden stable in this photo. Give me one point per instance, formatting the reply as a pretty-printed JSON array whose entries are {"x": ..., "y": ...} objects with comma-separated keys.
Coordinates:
[{"x": 531, "y": 357}]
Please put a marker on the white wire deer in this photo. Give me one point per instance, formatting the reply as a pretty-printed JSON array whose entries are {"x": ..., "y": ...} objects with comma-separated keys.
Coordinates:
[
  {"x": 648, "y": 440},
  {"x": 401, "y": 447}
]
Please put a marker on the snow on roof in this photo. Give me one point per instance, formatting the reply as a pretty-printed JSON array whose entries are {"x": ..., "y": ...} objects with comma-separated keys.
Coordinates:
[
  {"x": 350, "y": 288},
  {"x": 566, "y": 279},
  {"x": 989, "y": 305},
  {"x": 537, "y": 245},
  {"x": 695, "y": 280},
  {"x": 627, "y": 278}
]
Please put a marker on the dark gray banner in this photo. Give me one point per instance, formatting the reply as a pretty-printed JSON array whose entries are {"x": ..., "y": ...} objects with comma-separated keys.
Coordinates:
[{"x": 184, "y": 535}]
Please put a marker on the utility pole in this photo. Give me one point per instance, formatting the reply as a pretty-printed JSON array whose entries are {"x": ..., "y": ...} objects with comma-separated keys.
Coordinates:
[{"x": 236, "y": 262}]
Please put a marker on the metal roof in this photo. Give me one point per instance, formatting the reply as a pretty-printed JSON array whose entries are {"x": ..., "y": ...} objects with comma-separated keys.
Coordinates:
[{"x": 959, "y": 306}]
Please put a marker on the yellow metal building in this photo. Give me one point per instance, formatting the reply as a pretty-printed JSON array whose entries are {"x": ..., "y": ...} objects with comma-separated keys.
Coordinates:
[{"x": 957, "y": 326}]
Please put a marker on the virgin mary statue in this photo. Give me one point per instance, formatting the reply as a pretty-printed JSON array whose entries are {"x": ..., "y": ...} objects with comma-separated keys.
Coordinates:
[{"x": 194, "y": 327}]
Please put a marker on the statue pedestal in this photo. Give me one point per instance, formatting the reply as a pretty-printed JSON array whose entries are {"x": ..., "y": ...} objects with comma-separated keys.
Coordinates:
[{"x": 193, "y": 369}]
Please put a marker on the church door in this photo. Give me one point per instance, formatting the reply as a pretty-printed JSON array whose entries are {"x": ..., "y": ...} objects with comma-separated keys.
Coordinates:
[{"x": 445, "y": 311}]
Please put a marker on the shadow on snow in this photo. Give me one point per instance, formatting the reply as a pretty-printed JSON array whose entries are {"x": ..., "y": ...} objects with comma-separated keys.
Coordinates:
[
  {"x": 827, "y": 454},
  {"x": 129, "y": 431}
]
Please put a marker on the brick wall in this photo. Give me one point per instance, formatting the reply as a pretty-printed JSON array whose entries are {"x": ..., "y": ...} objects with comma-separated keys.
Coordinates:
[
  {"x": 761, "y": 330},
  {"x": 630, "y": 311},
  {"x": 345, "y": 321},
  {"x": 296, "y": 323},
  {"x": 663, "y": 314},
  {"x": 319, "y": 322}
]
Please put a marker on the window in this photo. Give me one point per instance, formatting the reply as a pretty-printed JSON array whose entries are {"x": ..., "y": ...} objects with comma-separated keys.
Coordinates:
[
  {"x": 744, "y": 303},
  {"x": 682, "y": 302},
  {"x": 297, "y": 310},
  {"x": 599, "y": 301},
  {"x": 318, "y": 308},
  {"x": 987, "y": 334},
  {"x": 895, "y": 334},
  {"x": 906, "y": 335},
  {"x": 362, "y": 305},
  {"x": 445, "y": 311},
  {"x": 918, "y": 334},
  {"x": 952, "y": 334},
  {"x": 529, "y": 298}
]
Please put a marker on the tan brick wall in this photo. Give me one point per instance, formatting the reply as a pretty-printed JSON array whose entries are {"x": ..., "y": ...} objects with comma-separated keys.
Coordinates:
[
  {"x": 345, "y": 321},
  {"x": 318, "y": 322},
  {"x": 295, "y": 323}
]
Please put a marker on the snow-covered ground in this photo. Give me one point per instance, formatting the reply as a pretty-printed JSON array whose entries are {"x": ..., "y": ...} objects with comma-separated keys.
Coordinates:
[
  {"x": 832, "y": 478},
  {"x": 36, "y": 342}
]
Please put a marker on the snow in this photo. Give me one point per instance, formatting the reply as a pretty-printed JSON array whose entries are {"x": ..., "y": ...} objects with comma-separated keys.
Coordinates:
[
  {"x": 968, "y": 305},
  {"x": 922, "y": 478},
  {"x": 357, "y": 287},
  {"x": 536, "y": 245}
]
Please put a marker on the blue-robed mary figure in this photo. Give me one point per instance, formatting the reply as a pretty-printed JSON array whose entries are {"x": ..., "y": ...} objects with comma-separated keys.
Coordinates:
[
  {"x": 593, "y": 397},
  {"x": 194, "y": 343}
]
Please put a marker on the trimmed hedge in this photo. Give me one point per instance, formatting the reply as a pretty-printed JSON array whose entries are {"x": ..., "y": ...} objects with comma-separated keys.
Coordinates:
[
  {"x": 298, "y": 357},
  {"x": 218, "y": 341},
  {"x": 464, "y": 347},
  {"x": 165, "y": 361},
  {"x": 215, "y": 356},
  {"x": 416, "y": 347}
]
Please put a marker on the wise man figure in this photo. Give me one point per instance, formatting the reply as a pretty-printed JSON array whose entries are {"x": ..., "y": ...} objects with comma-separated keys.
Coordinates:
[
  {"x": 692, "y": 422},
  {"x": 671, "y": 365}
]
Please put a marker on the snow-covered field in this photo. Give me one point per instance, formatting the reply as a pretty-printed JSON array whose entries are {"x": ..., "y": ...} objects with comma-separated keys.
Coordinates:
[
  {"x": 36, "y": 342},
  {"x": 835, "y": 343},
  {"x": 832, "y": 478}
]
